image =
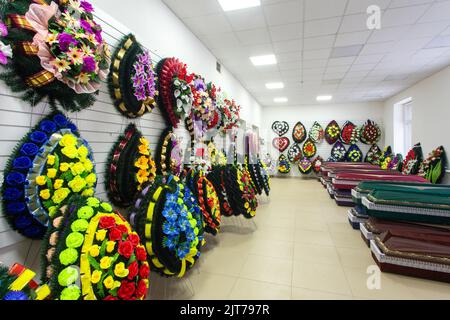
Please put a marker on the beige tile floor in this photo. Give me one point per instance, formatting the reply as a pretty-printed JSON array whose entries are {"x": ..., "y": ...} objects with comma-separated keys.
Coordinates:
[{"x": 299, "y": 246}]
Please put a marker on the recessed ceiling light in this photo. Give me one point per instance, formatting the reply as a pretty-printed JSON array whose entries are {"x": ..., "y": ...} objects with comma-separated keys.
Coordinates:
[
  {"x": 230, "y": 5},
  {"x": 264, "y": 60},
  {"x": 324, "y": 98},
  {"x": 280, "y": 100},
  {"x": 274, "y": 85}
]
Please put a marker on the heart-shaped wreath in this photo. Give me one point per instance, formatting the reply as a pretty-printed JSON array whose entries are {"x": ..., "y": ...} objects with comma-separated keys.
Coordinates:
[
  {"x": 281, "y": 144},
  {"x": 280, "y": 127}
]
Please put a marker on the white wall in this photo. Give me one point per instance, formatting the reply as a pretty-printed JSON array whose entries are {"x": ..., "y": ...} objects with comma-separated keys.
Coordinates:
[
  {"x": 430, "y": 111},
  {"x": 358, "y": 113},
  {"x": 157, "y": 27}
]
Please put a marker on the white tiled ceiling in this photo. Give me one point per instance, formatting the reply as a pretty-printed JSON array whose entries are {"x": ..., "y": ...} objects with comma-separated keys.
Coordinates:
[{"x": 324, "y": 46}]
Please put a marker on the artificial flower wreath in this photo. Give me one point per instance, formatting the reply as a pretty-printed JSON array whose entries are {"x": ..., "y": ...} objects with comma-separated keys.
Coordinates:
[
  {"x": 280, "y": 128},
  {"x": 299, "y": 133},
  {"x": 59, "y": 52},
  {"x": 433, "y": 167},
  {"x": 169, "y": 220},
  {"x": 350, "y": 133},
  {"x": 251, "y": 168},
  {"x": 168, "y": 71},
  {"x": 218, "y": 177},
  {"x": 132, "y": 79},
  {"x": 295, "y": 153},
  {"x": 370, "y": 132},
  {"x": 309, "y": 148},
  {"x": 270, "y": 164},
  {"x": 169, "y": 154},
  {"x": 203, "y": 111},
  {"x": 305, "y": 166},
  {"x": 284, "y": 166},
  {"x": 393, "y": 162},
  {"x": 317, "y": 164},
  {"x": 49, "y": 163},
  {"x": 338, "y": 152},
  {"x": 130, "y": 165},
  {"x": 316, "y": 133},
  {"x": 91, "y": 253},
  {"x": 16, "y": 283},
  {"x": 264, "y": 170},
  {"x": 354, "y": 154},
  {"x": 208, "y": 201},
  {"x": 240, "y": 192},
  {"x": 413, "y": 159},
  {"x": 332, "y": 132},
  {"x": 386, "y": 153},
  {"x": 373, "y": 155},
  {"x": 229, "y": 111},
  {"x": 281, "y": 143}
]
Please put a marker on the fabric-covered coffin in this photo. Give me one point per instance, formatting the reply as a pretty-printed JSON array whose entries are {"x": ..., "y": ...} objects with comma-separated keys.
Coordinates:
[
  {"x": 351, "y": 180},
  {"x": 330, "y": 166},
  {"x": 355, "y": 218},
  {"x": 424, "y": 207},
  {"x": 413, "y": 250},
  {"x": 343, "y": 197}
]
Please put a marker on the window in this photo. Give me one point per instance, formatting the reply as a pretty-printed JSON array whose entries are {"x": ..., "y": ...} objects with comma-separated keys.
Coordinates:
[{"x": 403, "y": 126}]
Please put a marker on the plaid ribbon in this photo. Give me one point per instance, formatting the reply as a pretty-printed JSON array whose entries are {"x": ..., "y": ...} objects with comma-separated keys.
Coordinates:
[
  {"x": 19, "y": 21},
  {"x": 40, "y": 79},
  {"x": 28, "y": 48}
]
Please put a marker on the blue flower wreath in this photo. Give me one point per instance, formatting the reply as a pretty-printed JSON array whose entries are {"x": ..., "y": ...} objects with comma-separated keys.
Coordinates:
[
  {"x": 182, "y": 228},
  {"x": 20, "y": 164}
]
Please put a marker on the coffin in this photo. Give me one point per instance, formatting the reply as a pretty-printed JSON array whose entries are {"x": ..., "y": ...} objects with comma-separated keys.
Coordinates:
[
  {"x": 351, "y": 180},
  {"x": 430, "y": 206},
  {"x": 413, "y": 250}
]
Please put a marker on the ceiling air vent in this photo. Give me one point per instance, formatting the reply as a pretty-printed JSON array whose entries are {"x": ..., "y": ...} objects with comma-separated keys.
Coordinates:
[{"x": 218, "y": 67}]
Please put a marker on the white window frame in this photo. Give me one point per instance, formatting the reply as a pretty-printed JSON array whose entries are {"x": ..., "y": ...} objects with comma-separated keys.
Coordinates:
[{"x": 403, "y": 126}]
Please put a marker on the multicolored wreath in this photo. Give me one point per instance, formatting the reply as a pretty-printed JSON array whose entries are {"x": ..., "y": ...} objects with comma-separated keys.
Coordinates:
[
  {"x": 59, "y": 52},
  {"x": 299, "y": 133},
  {"x": 169, "y": 220},
  {"x": 240, "y": 192},
  {"x": 270, "y": 164},
  {"x": 252, "y": 169},
  {"x": 91, "y": 253},
  {"x": 295, "y": 153},
  {"x": 49, "y": 163},
  {"x": 168, "y": 70},
  {"x": 16, "y": 283},
  {"x": 208, "y": 200},
  {"x": 204, "y": 106},
  {"x": 132, "y": 79},
  {"x": 317, "y": 164},
  {"x": 284, "y": 166},
  {"x": 316, "y": 133},
  {"x": 387, "y": 152},
  {"x": 392, "y": 162},
  {"x": 305, "y": 166},
  {"x": 354, "y": 154},
  {"x": 169, "y": 154},
  {"x": 281, "y": 144},
  {"x": 412, "y": 160},
  {"x": 338, "y": 152},
  {"x": 309, "y": 148},
  {"x": 218, "y": 177},
  {"x": 350, "y": 133},
  {"x": 332, "y": 132},
  {"x": 370, "y": 133},
  {"x": 373, "y": 155},
  {"x": 433, "y": 167},
  {"x": 229, "y": 111},
  {"x": 129, "y": 167},
  {"x": 264, "y": 171}
]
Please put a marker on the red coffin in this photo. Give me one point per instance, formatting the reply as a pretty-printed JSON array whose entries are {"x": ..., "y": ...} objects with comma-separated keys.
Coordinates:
[{"x": 351, "y": 180}]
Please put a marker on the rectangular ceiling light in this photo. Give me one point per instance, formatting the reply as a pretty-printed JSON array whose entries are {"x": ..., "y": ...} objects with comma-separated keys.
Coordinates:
[
  {"x": 324, "y": 98},
  {"x": 280, "y": 100},
  {"x": 274, "y": 85},
  {"x": 230, "y": 5},
  {"x": 264, "y": 60},
  {"x": 349, "y": 51}
]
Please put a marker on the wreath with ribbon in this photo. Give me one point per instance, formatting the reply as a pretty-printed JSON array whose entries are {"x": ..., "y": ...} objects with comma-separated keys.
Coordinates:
[
  {"x": 217, "y": 176},
  {"x": 16, "y": 283},
  {"x": 132, "y": 79},
  {"x": 50, "y": 163},
  {"x": 169, "y": 220},
  {"x": 58, "y": 52},
  {"x": 169, "y": 154},
  {"x": 129, "y": 167},
  {"x": 91, "y": 253},
  {"x": 305, "y": 166}
]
